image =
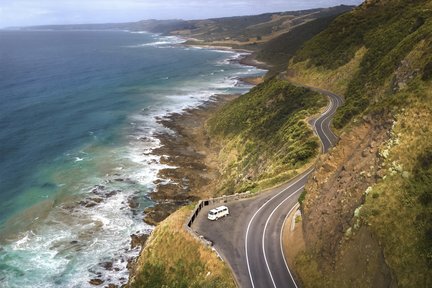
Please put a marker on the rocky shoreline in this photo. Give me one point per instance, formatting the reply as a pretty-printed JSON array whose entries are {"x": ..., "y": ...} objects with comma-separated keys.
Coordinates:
[
  {"x": 192, "y": 156},
  {"x": 190, "y": 152},
  {"x": 193, "y": 175}
]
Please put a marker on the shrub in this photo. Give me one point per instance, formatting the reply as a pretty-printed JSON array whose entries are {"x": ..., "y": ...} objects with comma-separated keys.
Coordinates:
[
  {"x": 388, "y": 32},
  {"x": 267, "y": 129},
  {"x": 427, "y": 72}
]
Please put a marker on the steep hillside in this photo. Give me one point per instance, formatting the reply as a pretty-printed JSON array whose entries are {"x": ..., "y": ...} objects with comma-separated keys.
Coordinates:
[
  {"x": 389, "y": 30},
  {"x": 253, "y": 30},
  {"x": 264, "y": 135},
  {"x": 257, "y": 140},
  {"x": 278, "y": 51},
  {"x": 173, "y": 258},
  {"x": 367, "y": 210},
  {"x": 241, "y": 31}
]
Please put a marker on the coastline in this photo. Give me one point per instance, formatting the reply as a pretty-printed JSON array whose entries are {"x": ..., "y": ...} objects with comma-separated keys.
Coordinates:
[
  {"x": 248, "y": 56},
  {"x": 97, "y": 217},
  {"x": 190, "y": 154},
  {"x": 189, "y": 151}
]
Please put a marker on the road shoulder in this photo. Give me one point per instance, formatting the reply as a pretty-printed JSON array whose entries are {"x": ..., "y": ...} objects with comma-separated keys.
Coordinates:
[{"x": 292, "y": 237}]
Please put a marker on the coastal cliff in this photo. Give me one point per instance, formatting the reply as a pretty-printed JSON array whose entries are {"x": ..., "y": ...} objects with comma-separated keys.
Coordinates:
[{"x": 366, "y": 210}]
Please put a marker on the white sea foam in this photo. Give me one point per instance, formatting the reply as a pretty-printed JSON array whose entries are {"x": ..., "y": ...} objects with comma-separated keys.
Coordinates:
[
  {"x": 20, "y": 244},
  {"x": 81, "y": 237},
  {"x": 68, "y": 248},
  {"x": 190, "y": 94},
  {"x": 138, "y": 32},
  {"x": 162, "y": 42}
]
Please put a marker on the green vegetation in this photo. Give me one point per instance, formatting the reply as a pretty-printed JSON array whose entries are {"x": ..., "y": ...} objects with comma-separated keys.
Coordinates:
[
  {"x": 269, "y": 22},
  {"x": 335, "y": 80},
  {"x": 388, "y": 32},
  {"x": 398, "y": 208},
  {"x": 265, "y": 135},
  {"x": 278, "y": 51},
  {"x": 173, "y": 258},
  {"x": 244, "y": 28},
  {"x": 252, "y": 31},
  {"x": 302, "y": 197},
  {"x": 383, "y": 51},
  {"x": 420, "y": 186},
  {"x": 380, "y": 57}
]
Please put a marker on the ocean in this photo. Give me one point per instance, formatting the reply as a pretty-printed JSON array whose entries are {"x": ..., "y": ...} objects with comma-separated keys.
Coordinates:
[{"x": 78, "y": 119}]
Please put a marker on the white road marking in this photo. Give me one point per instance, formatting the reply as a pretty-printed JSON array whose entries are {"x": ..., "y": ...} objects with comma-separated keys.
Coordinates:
[
  {"x": 281, "y": 245},
  {"x": 265, "y": 229},
  {"x": 323, "y": 118},
  {"x": 330, "y": 120},
  {"x": 253, "y": 217},
  {"x": 328, "y": 117}
]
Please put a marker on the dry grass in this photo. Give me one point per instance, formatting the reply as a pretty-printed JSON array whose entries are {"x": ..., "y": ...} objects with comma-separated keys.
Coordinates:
[
  {"x": 307, "y": 268},
  {"x": 333, "y": 80},
  {"x": 392, "y": 213},
  {"x": 173, "y": 258},
  {"x": 390, "y": 207}
]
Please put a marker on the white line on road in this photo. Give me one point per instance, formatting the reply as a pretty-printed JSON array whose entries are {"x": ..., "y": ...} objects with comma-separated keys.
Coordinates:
[
  {"x": 323, "y": 118},
  {"x": 253, "y": 217},
  {"x": 264, "y": 232},
  {"x": 281, "y": 246}
]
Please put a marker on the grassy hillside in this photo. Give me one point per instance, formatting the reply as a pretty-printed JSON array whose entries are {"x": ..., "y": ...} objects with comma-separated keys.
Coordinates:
[
  {"x": 264, "y": 135},
  {"x": 251, "y": 31},
  {"x": 380, "y": 57},
  {"x": 387, "y": 29},
  {"x": 173, "y": 258},
  {"x": 231, "y": 31},
  {"x": 264, "y": 139},
  {"x": 278, "y": 51},
  {"x": 244, "y": 28}
]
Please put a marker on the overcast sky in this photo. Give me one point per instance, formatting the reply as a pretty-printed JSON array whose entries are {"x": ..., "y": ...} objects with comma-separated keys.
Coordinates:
[{"x": 39, "y": 12}]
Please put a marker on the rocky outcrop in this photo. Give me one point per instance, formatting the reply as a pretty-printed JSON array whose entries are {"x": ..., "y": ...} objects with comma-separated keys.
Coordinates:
[
  {"x": 403, "y": 75},
  {"x": 334, "y": 195},
  {"x": 186, "y": 149},
  {"x": 96, "y": 282}
]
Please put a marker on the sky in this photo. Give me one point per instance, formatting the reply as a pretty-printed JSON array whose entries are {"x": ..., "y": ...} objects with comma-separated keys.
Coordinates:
[{"x": 42, "y": 12}]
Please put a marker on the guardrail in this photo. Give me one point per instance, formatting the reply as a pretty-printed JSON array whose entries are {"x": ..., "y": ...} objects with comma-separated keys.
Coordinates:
[{"x": 202, "y": 203}]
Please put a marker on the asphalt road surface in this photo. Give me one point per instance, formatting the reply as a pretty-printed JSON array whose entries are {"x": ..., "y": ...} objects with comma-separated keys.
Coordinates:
[{"x": 249, "y": 239}]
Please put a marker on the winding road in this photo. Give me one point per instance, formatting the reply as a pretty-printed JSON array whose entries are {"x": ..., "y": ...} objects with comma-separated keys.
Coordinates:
[{"x": 250, "y": 239}]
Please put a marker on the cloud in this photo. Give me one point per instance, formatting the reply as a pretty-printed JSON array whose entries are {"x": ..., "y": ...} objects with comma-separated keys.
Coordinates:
[{"x": 25, "y": 12}]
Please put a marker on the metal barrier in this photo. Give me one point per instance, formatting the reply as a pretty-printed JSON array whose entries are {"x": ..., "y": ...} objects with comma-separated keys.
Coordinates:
[{"x": 203, "y": 203}]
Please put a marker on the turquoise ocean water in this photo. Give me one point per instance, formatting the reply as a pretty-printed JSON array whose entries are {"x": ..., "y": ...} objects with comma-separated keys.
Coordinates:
[{"x": 77, "y": 114}]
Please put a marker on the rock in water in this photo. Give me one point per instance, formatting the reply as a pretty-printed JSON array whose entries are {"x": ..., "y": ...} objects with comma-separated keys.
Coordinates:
[
  {"x": 138, "y": 240},
  {"x": 96, "y": 282}
]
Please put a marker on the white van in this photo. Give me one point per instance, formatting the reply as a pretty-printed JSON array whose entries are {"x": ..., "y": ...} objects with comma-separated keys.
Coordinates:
[{"x": 218, "y": 212}]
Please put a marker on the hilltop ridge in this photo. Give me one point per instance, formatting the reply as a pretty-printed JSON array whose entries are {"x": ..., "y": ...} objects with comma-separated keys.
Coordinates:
[{"x": 250, "y": 30}]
